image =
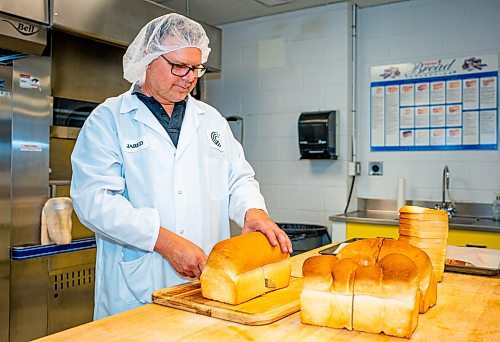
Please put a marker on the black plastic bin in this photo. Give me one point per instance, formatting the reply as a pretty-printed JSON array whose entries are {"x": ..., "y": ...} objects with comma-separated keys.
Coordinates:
[{"x": 305, "y": 237}]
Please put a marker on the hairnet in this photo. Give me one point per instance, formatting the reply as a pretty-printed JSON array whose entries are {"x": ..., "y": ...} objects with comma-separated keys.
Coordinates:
[{"x": 162, "y": 35}]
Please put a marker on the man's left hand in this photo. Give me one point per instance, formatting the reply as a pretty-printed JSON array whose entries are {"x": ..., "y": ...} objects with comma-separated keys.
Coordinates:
[{"x": 257, "y": 220}]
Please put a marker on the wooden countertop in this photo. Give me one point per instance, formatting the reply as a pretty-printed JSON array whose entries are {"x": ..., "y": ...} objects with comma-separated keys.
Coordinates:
[{"x": 467, "y": 309}]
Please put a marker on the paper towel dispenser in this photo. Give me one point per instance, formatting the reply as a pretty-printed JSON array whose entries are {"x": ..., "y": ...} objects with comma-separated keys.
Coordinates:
[{"x": 317, "y": 135}]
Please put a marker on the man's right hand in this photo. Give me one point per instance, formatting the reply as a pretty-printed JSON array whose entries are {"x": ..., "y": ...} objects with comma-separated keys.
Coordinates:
[{"x": 185, "y": 257}]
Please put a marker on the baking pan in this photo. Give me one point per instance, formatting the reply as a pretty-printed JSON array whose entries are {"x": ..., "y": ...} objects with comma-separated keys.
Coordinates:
[{"x": 471, "y": 270}]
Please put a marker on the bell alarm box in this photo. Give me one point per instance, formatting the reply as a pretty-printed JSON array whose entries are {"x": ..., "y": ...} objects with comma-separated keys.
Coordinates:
[{"x": 318, "y": 135}]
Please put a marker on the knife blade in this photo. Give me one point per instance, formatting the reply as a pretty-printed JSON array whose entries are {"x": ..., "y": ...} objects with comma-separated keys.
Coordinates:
[{"x": 270, "y": 284}]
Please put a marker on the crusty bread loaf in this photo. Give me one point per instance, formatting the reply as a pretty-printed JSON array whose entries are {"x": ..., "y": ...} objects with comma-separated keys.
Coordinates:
[
  {"x": 373, "y": 285},
  {"x": 244, "y": 267}
]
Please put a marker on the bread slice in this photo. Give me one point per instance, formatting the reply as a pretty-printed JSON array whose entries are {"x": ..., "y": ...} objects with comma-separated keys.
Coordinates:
[
  {"x": 316, "y": 297},
  {"x": 368, "y": 305},
  {"x": 424, "y": 217},
  {"x": 420, "y": 242},
  {"x": 400, "y": 287},
  {"x": 438, "y": 223},
  {"x": 329, "y": 304},
  {"x": 429, "y": 234},
  {"x": 422, "y": 214},
  {"x": 342, "y": 296},
  {"x": 237, "y": 269},
  {"x": 412, "y": 209}
]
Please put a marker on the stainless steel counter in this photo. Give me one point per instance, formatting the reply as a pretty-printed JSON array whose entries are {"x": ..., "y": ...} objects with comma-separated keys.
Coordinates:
[{"x": 465, "y": 222}]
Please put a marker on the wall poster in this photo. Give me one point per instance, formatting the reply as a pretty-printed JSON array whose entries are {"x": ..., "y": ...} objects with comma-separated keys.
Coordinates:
[{"x": 435, "y": 105}]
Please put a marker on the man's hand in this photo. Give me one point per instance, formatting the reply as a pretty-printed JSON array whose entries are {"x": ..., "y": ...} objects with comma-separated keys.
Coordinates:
[
  {"x": 257, "y": 220},
  {"x": 185, "y": 257}
]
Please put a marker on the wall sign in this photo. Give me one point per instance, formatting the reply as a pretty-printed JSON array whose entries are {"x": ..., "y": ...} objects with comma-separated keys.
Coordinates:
[{"x": 435, "y": 105}]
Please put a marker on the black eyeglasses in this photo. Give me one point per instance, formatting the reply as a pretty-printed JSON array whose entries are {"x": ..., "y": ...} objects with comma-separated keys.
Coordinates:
[{"x": 182, "y": 70}]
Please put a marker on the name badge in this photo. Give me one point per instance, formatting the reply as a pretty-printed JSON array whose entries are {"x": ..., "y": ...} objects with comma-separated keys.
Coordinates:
[
  {"x": 215, "y": 139},
  {"x": 135, "y": 145}
]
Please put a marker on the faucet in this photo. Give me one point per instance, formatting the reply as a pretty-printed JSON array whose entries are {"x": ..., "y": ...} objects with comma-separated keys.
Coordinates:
[
  {"x": 449, "y": 207},
  {"x": 446, "y": 184}
]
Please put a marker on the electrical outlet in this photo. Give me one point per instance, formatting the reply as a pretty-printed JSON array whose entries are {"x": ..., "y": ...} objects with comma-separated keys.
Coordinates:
[{"x": 375, "y": 168}]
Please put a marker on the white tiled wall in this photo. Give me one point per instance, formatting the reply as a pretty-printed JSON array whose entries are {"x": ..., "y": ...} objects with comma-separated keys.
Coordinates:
[
  {"x": 422, "y": 30},
  {"x": 311, "y": 73},
  {"x": 273, "y": 69}
]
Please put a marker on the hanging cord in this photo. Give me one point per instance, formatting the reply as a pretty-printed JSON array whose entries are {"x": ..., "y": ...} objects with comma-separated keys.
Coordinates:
[{"x": 350, "y": 194}]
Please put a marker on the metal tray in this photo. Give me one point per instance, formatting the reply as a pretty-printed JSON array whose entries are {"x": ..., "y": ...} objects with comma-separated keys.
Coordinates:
[
  {"x": 333, "y": 249},
  {"x": 471, "y": 270}
]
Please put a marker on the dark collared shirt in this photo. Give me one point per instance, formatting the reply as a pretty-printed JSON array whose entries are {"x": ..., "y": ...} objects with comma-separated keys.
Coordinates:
[{"x": 172, "y": 124}]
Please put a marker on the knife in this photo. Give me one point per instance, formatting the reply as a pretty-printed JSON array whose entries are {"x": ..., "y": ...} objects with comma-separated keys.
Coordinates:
[{"x": 270, "y": 284}]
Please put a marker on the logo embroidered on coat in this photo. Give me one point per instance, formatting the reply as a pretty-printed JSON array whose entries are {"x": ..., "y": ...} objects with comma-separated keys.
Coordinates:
[{"x": 215, "y": 138}]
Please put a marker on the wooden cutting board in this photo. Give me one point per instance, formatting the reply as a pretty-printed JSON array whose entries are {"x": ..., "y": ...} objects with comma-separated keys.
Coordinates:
[{"x": 262, "y": 310}]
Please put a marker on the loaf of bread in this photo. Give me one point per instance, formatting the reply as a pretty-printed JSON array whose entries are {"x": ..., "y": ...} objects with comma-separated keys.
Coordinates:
[
  {"x": 373, "y": 285},
  {"x": 426, "y": 229},
  {"x": 244, "y": 267}
]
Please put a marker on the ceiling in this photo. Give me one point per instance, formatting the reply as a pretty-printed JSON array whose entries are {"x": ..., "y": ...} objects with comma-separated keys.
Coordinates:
[{"x": 218, "y": 12}]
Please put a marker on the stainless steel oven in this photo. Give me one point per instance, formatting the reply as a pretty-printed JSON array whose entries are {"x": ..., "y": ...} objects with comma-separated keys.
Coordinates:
[
  {"x": 32, "y": 302},
  {"x": 71, "y": 113}
]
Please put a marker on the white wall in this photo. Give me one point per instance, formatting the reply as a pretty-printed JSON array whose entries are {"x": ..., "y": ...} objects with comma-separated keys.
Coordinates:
[
  {"x": 418, "y": 31},
  {"x": 274, "y": 68}
]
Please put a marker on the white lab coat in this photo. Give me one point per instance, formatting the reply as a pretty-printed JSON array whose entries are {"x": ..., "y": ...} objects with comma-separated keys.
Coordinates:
[{"x": 129, "y": 179}]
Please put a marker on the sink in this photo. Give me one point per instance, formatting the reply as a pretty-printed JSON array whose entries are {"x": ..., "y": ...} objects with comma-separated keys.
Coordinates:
[
  {"x": 472, "y": 221},
  {"x": 464, "y": 220}
]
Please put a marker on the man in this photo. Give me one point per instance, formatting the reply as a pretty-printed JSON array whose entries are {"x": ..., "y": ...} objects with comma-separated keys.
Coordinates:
[{"x": 157, "y": 174}]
